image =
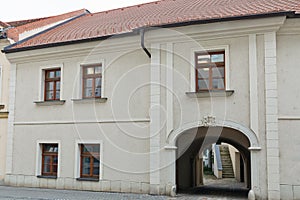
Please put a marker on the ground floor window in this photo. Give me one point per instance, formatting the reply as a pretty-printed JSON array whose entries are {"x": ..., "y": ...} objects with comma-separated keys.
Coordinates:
[
  {"x": 89, "y": 161},
  {"x": 49, "y": 159}
]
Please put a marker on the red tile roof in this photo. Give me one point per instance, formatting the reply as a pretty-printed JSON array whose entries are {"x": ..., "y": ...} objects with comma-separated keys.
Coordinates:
[
  {"x": 26, "y": 21},
  {"x": 4, "y": 24},
  {"x": 28, "y": 25},
  {"x": 157, "y": 13}
]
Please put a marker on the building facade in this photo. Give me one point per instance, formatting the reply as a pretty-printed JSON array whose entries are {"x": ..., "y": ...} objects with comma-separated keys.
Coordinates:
[
  {"x": 129, "y": 113},
  {"x": 12, "y": 32}
]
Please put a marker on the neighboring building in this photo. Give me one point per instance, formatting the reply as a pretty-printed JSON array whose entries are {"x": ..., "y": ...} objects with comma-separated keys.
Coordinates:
[
  {"x": 12, "y": 32},
  {"x": 91, "y": 110}
]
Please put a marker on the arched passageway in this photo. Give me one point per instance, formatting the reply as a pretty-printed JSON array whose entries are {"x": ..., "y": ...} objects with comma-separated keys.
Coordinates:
[{"x": 191, "y": 143}]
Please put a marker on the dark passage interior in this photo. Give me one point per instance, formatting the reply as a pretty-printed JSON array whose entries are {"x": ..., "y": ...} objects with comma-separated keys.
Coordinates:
[{"x": 190, "y": 177}]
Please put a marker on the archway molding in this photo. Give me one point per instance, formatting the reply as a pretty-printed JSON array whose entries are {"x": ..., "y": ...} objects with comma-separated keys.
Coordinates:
[{"x": 212, "y": 122}]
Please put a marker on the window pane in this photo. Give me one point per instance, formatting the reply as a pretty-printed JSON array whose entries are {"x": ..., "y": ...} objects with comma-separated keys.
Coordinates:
[
  {"x": 88, "y": 148},
  {"x": 55, "y": 159},
  {"x": 218, "y": 84},
  {"x": 203, "y": 84},
  {"x": 57, "y": 85},
  {"x": 98, "y": 70},
  {"x": 96, "y": 166},
  {"x": 57, "y": 95},
  {"x": 54, "y": 167},
  {"x": 88, "y": 82},
  {"x": 96, "y": 148},
  {"x": 88, "y": 92},
  {"x": 217, "y": 58},
  {"x": 203, "y": 73},
  {"x": 57, "y": 73},
  {"x": 47, "y": 169},
  {"x": 203, "y": 59},
  {"x": 97, "y": 92},
  {"x": 89, "y": 70},
  {"x": 49, "y": 95},
  {"x": 98, "y": 82},
  {"x": 86, "y": 165},
  {"x": 49, "y": 85},
  {"x": 47, "y": 160},
  {"x": 50, "y": 74},
  {"x": 218, "y": 72},
  {"x": 49, "y": 147}
]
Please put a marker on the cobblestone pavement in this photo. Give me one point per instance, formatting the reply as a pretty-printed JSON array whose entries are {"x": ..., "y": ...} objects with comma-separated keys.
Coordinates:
[{"x": 10, "y": 193}]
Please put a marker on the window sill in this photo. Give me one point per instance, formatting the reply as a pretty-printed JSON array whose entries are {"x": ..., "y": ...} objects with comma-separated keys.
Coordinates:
[
  {"x": 90, "y": 100},
  {"x": 88, "y": 179},
  {"x": 3, "y": 114},
  {"x": 204, "y": 94},
  {"x": 48, "y": 177},
  {"x": 49, "y": 103}
]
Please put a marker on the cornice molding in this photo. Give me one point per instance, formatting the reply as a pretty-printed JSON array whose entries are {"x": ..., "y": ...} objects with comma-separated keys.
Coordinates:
[{"x": 159, "y": 35}]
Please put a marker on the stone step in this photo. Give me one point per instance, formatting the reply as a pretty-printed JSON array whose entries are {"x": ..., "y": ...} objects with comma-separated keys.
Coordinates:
[{"x": 227, "y": 171}]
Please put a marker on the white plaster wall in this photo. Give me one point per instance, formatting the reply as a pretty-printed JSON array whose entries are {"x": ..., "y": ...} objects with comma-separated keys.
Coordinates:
[
  {"x": 221, "y": 107},
  {"x": 4, "y": 91},
  {"x": 289, "y": 109},
  {"x": 233, "y": 152},
  {"x": 121, "y": 123}
]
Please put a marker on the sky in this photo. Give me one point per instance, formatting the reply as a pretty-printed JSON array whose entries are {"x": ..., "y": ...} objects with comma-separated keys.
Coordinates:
[{"x": 13, "y": 10}]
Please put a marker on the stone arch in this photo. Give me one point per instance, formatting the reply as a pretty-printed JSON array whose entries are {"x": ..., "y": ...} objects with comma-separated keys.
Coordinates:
[{"x": 211, "y": 122}]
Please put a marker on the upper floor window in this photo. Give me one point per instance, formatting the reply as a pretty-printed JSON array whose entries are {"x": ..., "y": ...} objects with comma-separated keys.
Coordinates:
[
  {"x": 49, "y": 159},
  {"x": 90, "y": 161},
  {"x": 210, "y": 70},
  {"x": 92, "y": 80},
  {"x": 52, "y": 84}
]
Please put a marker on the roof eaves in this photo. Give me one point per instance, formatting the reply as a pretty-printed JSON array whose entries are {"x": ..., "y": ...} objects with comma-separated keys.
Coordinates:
[
  {"x": 289, "y": 14},
  {"x": 43, "y": 46},
  {"x": 53, "y": 27}
]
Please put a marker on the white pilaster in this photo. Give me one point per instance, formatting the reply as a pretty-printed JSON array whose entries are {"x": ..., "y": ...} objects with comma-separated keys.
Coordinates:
[
  {"x": 11, "y": 118},
  {"x": 155, "y": 119},
  {"x": 255, "y": 172},
  {"x": 272, "y": 139},
  {"x": 169, "y": 78},
  {"x": 253, "y": 80}
]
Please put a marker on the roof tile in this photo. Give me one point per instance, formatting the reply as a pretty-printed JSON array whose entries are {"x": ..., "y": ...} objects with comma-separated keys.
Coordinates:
[
  {"x": 27, "y": 25},
  {"x": 157, "y": 13}
]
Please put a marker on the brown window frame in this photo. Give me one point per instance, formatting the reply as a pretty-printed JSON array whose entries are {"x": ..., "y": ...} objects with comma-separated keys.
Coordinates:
[
  {"x": 52, "y": 155},
  {"x": 210, "y": 65},
  {"x": 91, "y": 76},
  {"x": 54, "y": 80},
  {"x": 91, "y": 155}
]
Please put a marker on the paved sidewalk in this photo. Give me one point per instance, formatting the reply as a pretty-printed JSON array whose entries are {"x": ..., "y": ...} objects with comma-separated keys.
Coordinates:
[{"x": 10, "y": 193}]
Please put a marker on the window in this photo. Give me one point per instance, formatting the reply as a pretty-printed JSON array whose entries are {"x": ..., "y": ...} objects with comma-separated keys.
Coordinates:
[
  {"x": 89, "y": 161},
  {"x": 210, "y": 70},
  {"x": 49, "y": 159},
  {"x": 52, "y": 84},
  {"x": 92, "y": 81}
]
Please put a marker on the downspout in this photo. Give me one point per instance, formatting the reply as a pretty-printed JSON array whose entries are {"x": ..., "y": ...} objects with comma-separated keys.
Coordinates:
[{"x": 142, "y": 33}]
